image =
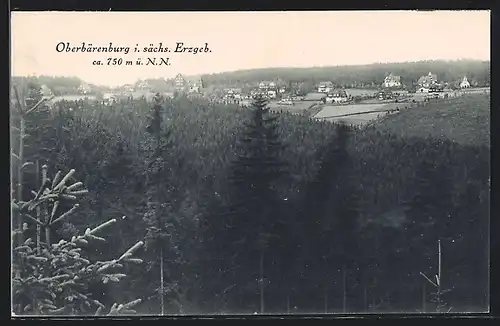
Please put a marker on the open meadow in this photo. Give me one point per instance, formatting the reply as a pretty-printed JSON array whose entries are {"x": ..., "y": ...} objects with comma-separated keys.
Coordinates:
[
  {"x": 361, "y": 92},
  {"x": 297, "y": 106},
  {"x": 356, "y": 114},
  {"x": 464, "y": 119}
]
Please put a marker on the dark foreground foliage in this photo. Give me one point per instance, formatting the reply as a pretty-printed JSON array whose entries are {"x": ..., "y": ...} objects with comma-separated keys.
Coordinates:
[{"x": 244, "y": 211}]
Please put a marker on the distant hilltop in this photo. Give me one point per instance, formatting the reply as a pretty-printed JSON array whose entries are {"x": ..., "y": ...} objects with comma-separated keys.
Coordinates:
[{"x": 358, "y": 76}]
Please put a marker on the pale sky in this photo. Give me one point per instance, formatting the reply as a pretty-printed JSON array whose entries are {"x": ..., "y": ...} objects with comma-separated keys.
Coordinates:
[{"x": 241, "y": 40}]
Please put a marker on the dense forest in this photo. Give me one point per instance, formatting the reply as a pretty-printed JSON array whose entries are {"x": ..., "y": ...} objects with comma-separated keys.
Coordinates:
[{"x": 184, "y": 206}]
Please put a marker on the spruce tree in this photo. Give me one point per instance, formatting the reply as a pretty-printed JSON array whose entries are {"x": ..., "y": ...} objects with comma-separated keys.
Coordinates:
[
  {"x": 255, "y": 214},
  {"x": 331, "y": 208},
  {"x": 160, "y": 222}
]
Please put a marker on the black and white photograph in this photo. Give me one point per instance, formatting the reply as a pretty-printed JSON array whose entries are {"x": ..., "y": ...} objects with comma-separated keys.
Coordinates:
[{"x": 249, "y": 163}]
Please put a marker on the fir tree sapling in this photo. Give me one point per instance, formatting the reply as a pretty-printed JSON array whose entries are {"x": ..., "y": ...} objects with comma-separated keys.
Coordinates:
[
  {"x": 438, "y": 286},
  {"x": 18, "y": 159},
  {"x": 55, "y": 281}
]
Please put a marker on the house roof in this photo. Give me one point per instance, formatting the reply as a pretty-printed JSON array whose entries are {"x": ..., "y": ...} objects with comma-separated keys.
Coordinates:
[
  {"x": 427, "y": 79},
  {"x": 391, "y": 77},
  {"x": 325, "y": 83},
  {"x": 339, "y": 93},
  {"x": 437, "y": 86}
]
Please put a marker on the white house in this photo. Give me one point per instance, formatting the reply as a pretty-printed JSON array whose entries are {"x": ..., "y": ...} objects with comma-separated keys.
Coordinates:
[
  {"x": 325, "y": 87},
  {"x": 84, "y": 88},
  {"x": 464, "y": 83},
  {"x": 45, "y": 90},
  {"x": 195, "y": 84},
  {"x": 180, "y": 82},
  {"x": 337, "y": 96},
  {"x": 109, "y": 98},
  {"x": 128, "y": 88},
  {"x": 143, "y": 85},
  {"x": 233, "y": 93},
  {"x": 266, "y": 85},
  {"x": 391, "y": 81},
  {"x": 427, "y": 81}
]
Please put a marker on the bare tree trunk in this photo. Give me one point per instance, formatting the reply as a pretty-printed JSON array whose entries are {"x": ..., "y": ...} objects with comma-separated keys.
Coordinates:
[
  {"x": 22, "y": 132},
  {"x": 162, "y": 302},
  {"x": 344, "y": 290},
  {"x": 262, "y": 281},
  {"x": 38, "y": 213},
  {"x": 437, "y": 284},
  {"x": 424, "y": 294},
  {"x": 45, "y": 209}
]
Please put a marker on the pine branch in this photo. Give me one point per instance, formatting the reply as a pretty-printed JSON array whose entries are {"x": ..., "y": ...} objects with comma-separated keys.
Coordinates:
[{"x": 57, "y": 273}]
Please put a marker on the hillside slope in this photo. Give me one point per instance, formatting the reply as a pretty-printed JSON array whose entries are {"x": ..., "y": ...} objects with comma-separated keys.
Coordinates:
[{"x": 465, "y": 120}]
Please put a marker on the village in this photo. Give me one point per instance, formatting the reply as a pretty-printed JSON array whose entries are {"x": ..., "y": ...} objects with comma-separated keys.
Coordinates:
[
  {"x": 323, "y": 100},
  {"x": 277, "y": 91}
]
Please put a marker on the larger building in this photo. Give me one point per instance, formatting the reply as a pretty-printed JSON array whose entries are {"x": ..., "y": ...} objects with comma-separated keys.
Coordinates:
[
  {"x": 464, "y": 83},
  {"x": 325, "y": 87},
  {"x": 427, "y": 81},
  {"x": 391, "y": 81},
  {"x": 188, "y": 84}
]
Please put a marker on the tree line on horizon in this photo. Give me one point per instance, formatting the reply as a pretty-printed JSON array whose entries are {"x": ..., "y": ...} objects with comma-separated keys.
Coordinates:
[{"x": 359, "y": 76}]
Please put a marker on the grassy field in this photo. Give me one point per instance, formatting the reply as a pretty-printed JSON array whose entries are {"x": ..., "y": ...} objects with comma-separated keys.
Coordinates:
[
  {"x": 360, "y": 92},
  {"x": 330, "y": 111},
  {"x": 464, "y": 119},
  {"x": 297, "y": 107}
]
